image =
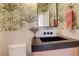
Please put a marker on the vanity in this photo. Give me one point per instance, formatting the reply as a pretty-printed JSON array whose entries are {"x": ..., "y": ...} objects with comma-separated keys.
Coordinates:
[{"x": 63, "y": 46}]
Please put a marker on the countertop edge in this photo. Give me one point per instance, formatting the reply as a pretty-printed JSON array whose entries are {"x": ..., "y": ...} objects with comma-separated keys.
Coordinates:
[{"x": 61, "y": 45}]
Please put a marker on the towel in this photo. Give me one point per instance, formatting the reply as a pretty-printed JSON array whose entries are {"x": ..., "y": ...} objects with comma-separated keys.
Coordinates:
[{"x": 70, "y": 19}]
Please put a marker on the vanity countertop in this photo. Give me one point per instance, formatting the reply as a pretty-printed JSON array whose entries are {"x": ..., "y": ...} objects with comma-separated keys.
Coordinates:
[{"x": 53, "y": 45}]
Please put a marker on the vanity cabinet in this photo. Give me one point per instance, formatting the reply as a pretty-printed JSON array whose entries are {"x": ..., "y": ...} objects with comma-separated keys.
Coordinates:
[
  {"x": 59, "y": 52},
  {"x": 65, "y": 47}
]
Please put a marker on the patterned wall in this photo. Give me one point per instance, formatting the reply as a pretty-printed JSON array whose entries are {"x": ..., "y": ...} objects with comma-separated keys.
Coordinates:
[
  {"x": 19, "y": 16},
  {"x": 62, "y": 10}
]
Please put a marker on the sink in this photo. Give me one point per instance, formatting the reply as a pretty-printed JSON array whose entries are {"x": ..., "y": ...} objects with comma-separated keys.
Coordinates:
[{"x": 48, "y": 39}]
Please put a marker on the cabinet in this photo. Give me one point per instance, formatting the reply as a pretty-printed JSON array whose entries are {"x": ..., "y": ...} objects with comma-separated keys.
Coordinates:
[{"x": 59, "y": 52}]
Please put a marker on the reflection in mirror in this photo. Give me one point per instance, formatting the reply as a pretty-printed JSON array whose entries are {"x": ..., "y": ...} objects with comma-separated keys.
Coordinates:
[
  {"x": 47, "y": 15},
  {"x": 43, "y": 19},
  {"x": 43, "y": 14}
]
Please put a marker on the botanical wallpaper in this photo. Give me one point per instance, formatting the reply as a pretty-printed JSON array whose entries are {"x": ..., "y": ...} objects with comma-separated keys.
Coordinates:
[
  {"x": 62, "y": 10},
  {"x": 17, "y": 16}
]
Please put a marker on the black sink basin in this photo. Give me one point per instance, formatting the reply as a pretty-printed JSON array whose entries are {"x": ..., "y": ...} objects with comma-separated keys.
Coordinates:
[{"x": 47, "y": 39}]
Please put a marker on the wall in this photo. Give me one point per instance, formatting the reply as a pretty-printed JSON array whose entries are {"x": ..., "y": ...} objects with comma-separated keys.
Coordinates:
[
  {"x": 72, "y": 34},
  {"x": 3, "y": 44},
  {"x": 19, "y": 34},
  {"x": 62, "y": 10},
  {"x": 14, "y": 37}
]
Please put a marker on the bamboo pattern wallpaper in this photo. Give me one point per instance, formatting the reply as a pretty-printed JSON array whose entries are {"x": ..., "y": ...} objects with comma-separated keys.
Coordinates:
[{"x": 17, "y": 16}]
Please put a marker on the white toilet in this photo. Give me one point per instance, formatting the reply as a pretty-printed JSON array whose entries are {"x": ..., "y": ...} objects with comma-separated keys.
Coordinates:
[{"x": 17, "y": 50}]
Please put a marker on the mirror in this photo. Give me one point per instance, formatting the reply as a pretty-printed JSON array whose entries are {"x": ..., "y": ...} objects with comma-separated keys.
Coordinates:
[{"x": 47, "y": 14}]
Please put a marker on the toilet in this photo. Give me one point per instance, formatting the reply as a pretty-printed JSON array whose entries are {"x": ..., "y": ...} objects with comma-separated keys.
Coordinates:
[{"x": 17, "y": 50}]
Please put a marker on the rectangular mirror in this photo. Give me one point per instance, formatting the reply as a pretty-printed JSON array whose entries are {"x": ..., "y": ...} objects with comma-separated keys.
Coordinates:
[
  {"x": 47, "y": 14},
  {"x": 43, "y": 19}
]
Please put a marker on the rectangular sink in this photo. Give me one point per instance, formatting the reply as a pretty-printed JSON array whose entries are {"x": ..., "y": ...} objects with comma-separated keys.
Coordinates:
[{"x": 48, "y": 39}]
